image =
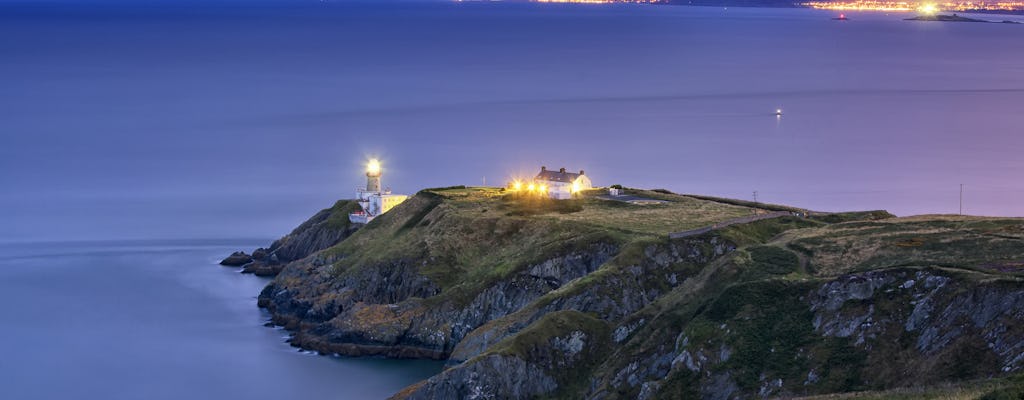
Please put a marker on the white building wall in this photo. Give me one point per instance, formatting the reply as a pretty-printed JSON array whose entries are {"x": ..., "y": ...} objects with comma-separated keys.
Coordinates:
[{"x": 558, "y": 190}]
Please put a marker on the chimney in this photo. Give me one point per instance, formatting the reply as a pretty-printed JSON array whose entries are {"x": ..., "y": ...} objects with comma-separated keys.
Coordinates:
[
  {"x": 581, "y": 172},
  {"x": 562, "y": 170},
  {"x": 543, "y": 168}
]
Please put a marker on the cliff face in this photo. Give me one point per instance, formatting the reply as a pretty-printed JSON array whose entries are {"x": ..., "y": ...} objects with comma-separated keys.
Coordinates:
[
  {"x": 428, "y": 285},
  {"x": 325, "y": 229},
  {"x": 591, "y": 299},
  {"x": 873, "y": 330}
]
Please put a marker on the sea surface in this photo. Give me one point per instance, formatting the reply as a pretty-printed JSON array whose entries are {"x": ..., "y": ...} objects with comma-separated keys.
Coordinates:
[
  {"x": 154, "y": 119},
  {"x": 160, "y": 320}
]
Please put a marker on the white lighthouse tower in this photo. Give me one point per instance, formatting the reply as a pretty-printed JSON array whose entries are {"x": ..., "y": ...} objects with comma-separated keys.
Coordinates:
[{"x": 373, "y": 200}]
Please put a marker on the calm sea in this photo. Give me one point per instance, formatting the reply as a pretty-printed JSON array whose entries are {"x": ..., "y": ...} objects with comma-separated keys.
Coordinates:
[
  {"x": 160, "y": 320},
  {"x": 138, "y": 119}
]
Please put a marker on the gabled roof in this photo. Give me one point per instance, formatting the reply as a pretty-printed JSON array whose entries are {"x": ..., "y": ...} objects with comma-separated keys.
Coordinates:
[{"x": 556, "y": 176}]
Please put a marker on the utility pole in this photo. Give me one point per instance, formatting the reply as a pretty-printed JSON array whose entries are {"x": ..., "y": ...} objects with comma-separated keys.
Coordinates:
[
  {"x": 755, "y": 196},
  {"x": 961, "y": 199},
  {"x": 485, "y": 181}
]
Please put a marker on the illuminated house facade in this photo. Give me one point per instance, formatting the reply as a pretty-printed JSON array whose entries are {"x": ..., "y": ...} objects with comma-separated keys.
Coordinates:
[
  {"x": 373, "y": 200},
  {"x": 561, "y": 184}
]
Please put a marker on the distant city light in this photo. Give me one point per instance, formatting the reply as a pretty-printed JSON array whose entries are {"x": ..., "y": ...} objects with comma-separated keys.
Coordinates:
[
  {"x": 928, "y": 8},
  {"x": 581, "y": 1},
  {"x": 599, "y": 1}
]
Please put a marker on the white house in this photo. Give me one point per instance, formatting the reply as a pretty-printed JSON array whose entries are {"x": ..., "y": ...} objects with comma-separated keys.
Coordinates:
[
  {"x": 373, "y": 200},
  {"x": 561, "y": 184}
]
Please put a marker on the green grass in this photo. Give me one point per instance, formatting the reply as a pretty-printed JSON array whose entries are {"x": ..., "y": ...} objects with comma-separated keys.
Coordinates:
[
  {"x": 988, "y": 244},
  {"x": 1008, "y": 388},
  {"x": 338, "y": 218},
  {"x": 744, "y": 203},
  {"x": 765, "y": 230},
  {"x": 679, "y": 213},
  {"x": 470, "y": 237},
  {"x": 836, "y": 218},
  {"x": 773, "y": 260}
]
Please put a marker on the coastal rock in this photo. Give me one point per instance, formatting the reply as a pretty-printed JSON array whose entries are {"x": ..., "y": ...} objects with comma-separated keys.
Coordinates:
[
  {"x": 557, "y": 350},
  {"x": 236, "y": 259},
  {"x": 491, "y": 377},
  {"x": 260, "y": 254},
  {"x": 364, "y": 315},
  {"x": 325, "y": 229},
  {"x": 621, "y": 293}
]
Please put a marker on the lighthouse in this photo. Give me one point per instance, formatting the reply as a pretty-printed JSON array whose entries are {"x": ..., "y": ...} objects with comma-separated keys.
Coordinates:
[
  {"x": 373, "y": 176},
  {"x": 373, "y": 200}
]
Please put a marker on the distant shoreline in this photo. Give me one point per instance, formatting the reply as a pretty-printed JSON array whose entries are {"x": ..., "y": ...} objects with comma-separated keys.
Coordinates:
[
  {"x": 955, "y": 18},
  {"x": 777, "y": 4}
]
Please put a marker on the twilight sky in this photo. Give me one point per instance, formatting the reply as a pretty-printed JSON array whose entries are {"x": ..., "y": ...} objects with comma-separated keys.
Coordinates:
[{"x": 240, "y": 119}]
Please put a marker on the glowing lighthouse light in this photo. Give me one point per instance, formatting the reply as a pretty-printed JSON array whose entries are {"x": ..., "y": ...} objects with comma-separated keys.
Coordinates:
[
  {"x": 373, "y": 167},
  {"x": 373, "y": 199}
]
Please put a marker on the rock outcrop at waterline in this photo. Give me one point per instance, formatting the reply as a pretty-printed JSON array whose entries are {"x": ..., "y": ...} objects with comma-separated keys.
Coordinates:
[
  {"x": 591, "y": 299},
  {"x": 236, "y": 259},
  {"x": 325, "y": 229}
]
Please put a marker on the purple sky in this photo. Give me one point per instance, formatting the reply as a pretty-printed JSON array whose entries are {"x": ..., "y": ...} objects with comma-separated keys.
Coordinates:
[{"x": 211, "y": 121}]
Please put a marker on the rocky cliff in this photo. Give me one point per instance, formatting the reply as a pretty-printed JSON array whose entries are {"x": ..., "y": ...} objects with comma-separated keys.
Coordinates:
[
  {"x": 325, "y": 229},
  {"x": 590, "y": 298}
]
